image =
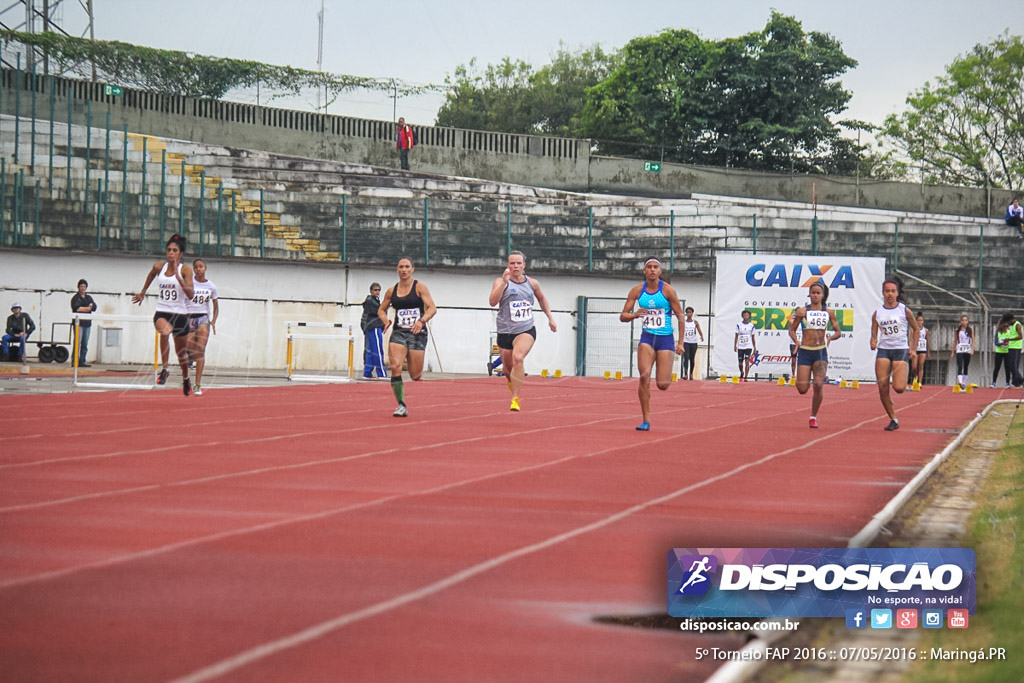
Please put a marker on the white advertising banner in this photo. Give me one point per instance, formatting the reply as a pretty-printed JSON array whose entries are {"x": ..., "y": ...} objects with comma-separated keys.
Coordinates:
[{"x": 771, "y": 287}]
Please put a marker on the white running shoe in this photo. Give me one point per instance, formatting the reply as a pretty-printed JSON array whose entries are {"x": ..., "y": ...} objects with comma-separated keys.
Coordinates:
[{"x": 401, "y": 411}]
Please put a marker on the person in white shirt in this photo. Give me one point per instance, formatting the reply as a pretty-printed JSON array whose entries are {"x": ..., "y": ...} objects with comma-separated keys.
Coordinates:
[
  {"x": 1015, "y": 217},
  {"x": 200, "y": 319},
  {"x": 174, "y": 280},
  {"x": 744, "y": 343},
  {"x": 894, "y": 336},
  {"x": 963, "y": 349},
  {"x": 917, "y": 367}
]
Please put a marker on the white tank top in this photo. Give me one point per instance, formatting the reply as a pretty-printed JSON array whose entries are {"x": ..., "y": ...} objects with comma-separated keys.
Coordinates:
[
  {"x": 170, "y": 296},
  {"x": 202, "y": 294},
  {"x": 963, "y": 341},
  {"x": 892, "y": 327},
  {"x": 922, "y": 340},
  {"x": 690, "y": 331}
]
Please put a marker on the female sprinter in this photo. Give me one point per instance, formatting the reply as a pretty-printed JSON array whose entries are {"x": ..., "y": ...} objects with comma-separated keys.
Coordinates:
[
  {"x": 894, "y": 336},
  {"x": 200, "y": 321},
  {"x": 514, "y": 294},
  {"x": 917, "y": 370},
  {"x": 175, "y": 282},
  {"x": 658, "y": 301},
  {"x": 963, "y": 348},
  {"x": 812, "y": 354},
  {"x": 691, "y": 328},
  {"x": 413, "y": 308}
]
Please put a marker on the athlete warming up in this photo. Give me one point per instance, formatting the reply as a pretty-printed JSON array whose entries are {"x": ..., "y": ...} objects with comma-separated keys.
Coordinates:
[
  {"x": 174, "y": 279},
  {"x": 691, "y": 329},
  {"x": 658, "y": 301},
  {"x": 514, "y": 294},
  {"x": 963, "y": 349},
  {"x": 812, "y": 354},
  {"x": 917, "y": 369},
  {"x": 744, "y": 343},
  {"x": 201, "y": 321},
  {"x": 894, "y": 336},
  {"x": 413, "y": 308}
]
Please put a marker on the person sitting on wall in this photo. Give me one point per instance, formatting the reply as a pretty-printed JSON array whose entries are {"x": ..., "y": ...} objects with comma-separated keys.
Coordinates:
[
  {"x": 1015, "y": 217},
  {"x": 19, "y": 327}
]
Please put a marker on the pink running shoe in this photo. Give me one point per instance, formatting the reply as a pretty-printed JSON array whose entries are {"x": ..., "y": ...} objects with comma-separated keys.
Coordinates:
[{"x": 813, "y": 422}]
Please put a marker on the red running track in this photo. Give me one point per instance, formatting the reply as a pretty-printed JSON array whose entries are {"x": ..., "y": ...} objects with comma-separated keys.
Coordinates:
[{"x": 302, "y": 533}]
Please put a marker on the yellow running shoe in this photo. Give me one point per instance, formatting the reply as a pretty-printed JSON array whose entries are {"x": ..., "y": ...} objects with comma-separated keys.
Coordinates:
[{"x": 515, "y": 404}]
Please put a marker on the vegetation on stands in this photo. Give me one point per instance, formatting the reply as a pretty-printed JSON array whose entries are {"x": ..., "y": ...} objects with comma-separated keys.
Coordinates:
[
  {"x": 968, "y": 128},
  {"x": 182, "y": 73}
]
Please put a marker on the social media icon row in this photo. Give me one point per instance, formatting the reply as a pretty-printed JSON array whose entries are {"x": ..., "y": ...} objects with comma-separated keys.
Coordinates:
[{"x": 905, "y": 618}]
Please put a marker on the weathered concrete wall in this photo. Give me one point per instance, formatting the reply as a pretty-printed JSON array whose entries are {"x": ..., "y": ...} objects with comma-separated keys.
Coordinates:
[{"x": 531, "y": 160}]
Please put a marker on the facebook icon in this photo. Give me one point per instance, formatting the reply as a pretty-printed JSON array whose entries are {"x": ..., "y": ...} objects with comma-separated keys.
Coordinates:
[{"x": 856, "y": 618}]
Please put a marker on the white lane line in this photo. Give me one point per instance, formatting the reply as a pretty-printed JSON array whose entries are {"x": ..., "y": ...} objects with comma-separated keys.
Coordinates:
[
  {"x": 259, "y": 652},
  {"x": 129, "y": 557}
]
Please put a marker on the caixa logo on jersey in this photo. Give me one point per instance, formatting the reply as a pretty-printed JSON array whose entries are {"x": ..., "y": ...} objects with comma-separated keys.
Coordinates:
[
  {"x": 816, "y": 582},
  {"x": 799, "y": 275}
]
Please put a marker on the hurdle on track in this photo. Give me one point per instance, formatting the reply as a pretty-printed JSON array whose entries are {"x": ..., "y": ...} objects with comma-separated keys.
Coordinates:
[
  {"x": 291, "y": 335},
  {"x": 78, "y": 317}
]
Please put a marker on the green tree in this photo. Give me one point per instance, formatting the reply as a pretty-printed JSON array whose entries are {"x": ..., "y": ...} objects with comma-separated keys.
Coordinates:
[
  {"x": 512, "y": 97},
  {"x": 968, "y": 129},
  {"x": 764, "y": 100}
]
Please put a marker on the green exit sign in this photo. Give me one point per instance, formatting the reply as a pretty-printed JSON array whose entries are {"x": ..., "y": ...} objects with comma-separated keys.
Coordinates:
[
  {"x": 652, "y": 166},
  {"x": 113, "y": 90}
]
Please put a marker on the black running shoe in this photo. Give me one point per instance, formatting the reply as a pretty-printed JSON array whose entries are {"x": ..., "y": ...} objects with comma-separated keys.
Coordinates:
[
  {"x": 892, "y": 426},
  {"x": 162, "y": 378},
  {"x": 186, "y": 386}
]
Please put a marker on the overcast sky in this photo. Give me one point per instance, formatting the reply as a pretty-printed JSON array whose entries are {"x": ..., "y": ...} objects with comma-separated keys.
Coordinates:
[{"x": 899, "y": 44}]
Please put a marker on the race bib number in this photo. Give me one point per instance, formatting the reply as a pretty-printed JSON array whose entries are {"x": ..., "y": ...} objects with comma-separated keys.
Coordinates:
[
  {"x": 744, "y": 341},
  {"x": 963, "y": 348},
  {"x": 890, "y": 328},
  {"x": 201, "y": 299},
  {"x": 407, "y": 317},
  {"x": 654, "y": 319},
  {"x": 521, "y": 311},
  {"x": 690, "y": 335},
  {"x": 168, "y": 293}
]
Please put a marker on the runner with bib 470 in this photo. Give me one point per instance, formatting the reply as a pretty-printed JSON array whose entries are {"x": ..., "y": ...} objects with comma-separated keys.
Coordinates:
[{"x": 658, "y": 301}]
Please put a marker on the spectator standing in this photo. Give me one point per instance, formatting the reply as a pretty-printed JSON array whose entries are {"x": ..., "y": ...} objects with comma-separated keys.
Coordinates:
[
  {"x": 406, "y": 141},
  {"x": 19, "y": 328},
  {"x": 373, "y": 335},
  {"x": 83, "y": 303},
  {"x": 1015, "y": 217}
]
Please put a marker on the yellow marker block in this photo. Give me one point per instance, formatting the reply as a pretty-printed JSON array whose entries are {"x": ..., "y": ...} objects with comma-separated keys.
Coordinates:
[
  {"x": 607, "y": 374},
  {"x": 855, "y": 384},
  {"x": 782, "y": 381},
  {"x": 792, "y": 381},
  {"x": 675, "y": 377},
  {"x": 618, "y": 374},
  {"x": 558, "y": 373},
  {"x": 970, "y": 389},
  {"x": 842, "y": 384},
  {"x": 723, "y": 379},
  {"x": 544, "y": 372},
  {"x": 956, "y": 388},
  {"x": 735, "y": 379}
]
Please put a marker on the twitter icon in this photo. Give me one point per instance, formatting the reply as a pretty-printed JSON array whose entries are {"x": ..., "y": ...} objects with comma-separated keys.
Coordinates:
[{"x": 881, "y": 618}]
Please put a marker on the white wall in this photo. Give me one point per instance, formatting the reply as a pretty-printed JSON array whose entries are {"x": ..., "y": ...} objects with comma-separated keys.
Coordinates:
[{"x": 257, "y": 298}]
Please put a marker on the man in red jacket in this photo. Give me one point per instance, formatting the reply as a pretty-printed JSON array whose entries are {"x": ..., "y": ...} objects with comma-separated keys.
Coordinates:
[{"x": 405, "y": 142}]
